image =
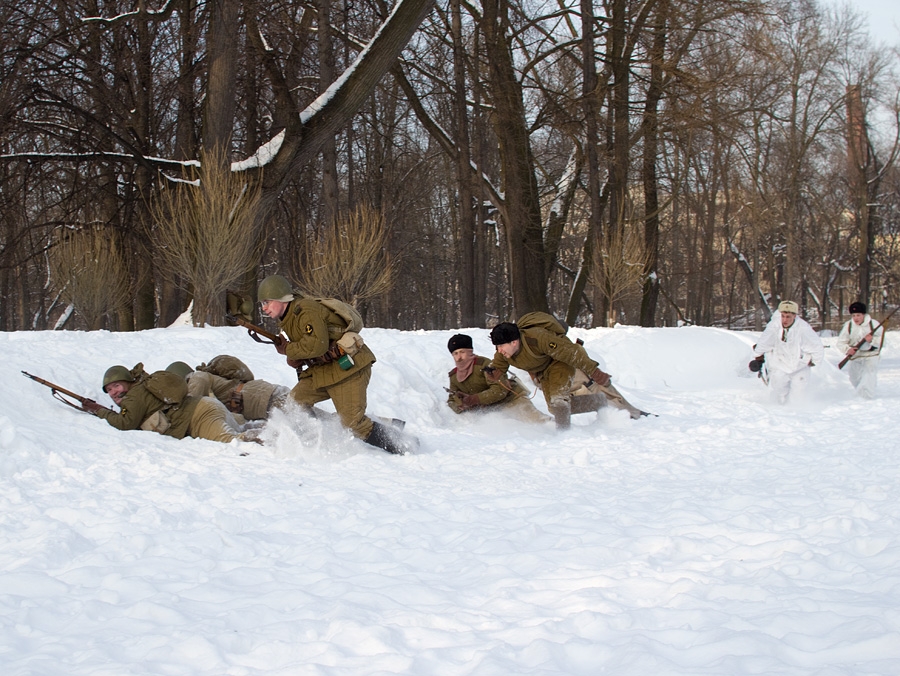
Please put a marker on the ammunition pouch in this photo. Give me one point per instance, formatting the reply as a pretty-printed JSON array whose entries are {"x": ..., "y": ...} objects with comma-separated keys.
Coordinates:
[
  {"x": 157, "y": 422},
  {"x": 349, "y": 344}
]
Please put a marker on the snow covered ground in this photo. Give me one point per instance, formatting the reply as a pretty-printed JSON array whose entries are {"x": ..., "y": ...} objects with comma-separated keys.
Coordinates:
[{"x": 725, "y": 536}]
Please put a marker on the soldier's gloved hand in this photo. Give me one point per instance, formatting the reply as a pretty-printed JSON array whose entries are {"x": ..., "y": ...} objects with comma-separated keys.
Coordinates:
[
  {"x": 756, "y": 363},
  {"x": 280, "y": 344},
  {"x": 294, "y": 363},
  {"x": 491, "y": 374},
  {"x": 90, "y": 406},
  {"x": 600, "y": 377},
  {"x": 468, "y": 401}
]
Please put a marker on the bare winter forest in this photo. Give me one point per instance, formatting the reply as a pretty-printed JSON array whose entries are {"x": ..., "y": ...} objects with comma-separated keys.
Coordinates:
[{"x": 448, "y": 163}]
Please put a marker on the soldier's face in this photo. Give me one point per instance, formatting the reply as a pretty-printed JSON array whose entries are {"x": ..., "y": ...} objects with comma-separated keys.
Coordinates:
[
  {"x": 463, "y": 356},
  {"x": 857, "y": 317},
  {"x": 509, "y": 350},
  {"x": 787, "y": 318},
  {"x": 117, "y": 391},
  {"x": 273, "y": 308}
]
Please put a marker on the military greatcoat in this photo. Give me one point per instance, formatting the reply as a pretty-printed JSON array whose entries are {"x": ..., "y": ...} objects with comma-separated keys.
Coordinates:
[{"x": 312, "y": 329}]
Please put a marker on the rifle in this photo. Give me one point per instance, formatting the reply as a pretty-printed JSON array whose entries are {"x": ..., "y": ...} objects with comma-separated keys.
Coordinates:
[
  {"x": 884, "y": 321},
  {"x": 335, "y": 352},
  {"x": 60, "y": 393},
  {"x": 254, "y": 330}
]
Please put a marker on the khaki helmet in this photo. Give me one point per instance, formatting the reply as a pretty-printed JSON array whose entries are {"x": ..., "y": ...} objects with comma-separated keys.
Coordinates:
[
  {"x": 116, "y": 373},
  {"x": 179, "y": 368},
  {"x": 275, "y": 287}
]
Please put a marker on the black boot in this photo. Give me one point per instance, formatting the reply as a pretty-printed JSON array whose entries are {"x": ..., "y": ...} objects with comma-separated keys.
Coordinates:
[
  {"x": 386, "y": 439},
  {"x": 585, "y": 403},
  {"x": 561, "y": 410}
]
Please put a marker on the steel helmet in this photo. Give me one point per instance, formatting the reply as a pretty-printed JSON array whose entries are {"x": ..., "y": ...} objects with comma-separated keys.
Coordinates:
[
  {"x": 275, "y": 287},
  {"x": 116, "y": 373},
  {"x": 179, "y": 368}
]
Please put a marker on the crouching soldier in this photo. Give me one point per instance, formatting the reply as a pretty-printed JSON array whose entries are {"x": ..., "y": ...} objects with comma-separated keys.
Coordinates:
[
  {"x": 159, "y": 402},
  {"x": 470, "y": 390},
  {"x": 331, "y": 359},
  {"x": 571, "y": 381},
  {"x": 231, "y": 381}
]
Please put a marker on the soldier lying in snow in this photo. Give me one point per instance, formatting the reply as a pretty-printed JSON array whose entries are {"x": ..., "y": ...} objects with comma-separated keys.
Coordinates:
[
  {"x": 159, "y": 402},
  {"x": 231, "y": 381}
]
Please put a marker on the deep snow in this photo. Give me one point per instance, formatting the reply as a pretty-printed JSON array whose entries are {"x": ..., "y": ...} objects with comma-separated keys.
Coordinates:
[{"x": 725, "y": 536}]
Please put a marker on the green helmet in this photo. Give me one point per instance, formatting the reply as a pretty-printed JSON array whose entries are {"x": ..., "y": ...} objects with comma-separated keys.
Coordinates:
[
  {"x": 179, "y": 368},
  {"x": 275, "y": 287},
  {"x": 115, "y": 374}
]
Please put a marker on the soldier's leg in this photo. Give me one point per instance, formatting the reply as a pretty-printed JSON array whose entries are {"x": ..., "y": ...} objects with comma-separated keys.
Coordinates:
[
  {"x": 349, "y": 398},
  {"x": 601, "y": 395},
  {"x": 211, "y": 420},
  {"x": 556, "y": 384},
  {"x": 522, "y": 408},
  {"x": 587, "y": 403},
  {"x": 306, "y": 395},
  {"x": 779, "y": 385},
  {"x": 867, "y": 379},
  {"x": 799, "y": 380}
]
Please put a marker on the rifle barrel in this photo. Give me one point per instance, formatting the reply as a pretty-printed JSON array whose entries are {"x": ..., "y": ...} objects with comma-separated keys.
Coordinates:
[
  {"x": 884, "y": 321},
  {"x": 55, "y": 387}
]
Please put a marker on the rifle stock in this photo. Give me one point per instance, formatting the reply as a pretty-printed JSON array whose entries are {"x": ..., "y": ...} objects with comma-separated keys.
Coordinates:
[
  {"x": 252, "y": 329},
  {"x": 59, "y": 392},
  {"x": 884, "y": 321}
]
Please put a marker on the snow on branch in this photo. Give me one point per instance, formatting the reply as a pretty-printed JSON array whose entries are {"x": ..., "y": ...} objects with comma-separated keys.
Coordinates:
[{"x": 155, "y": 14}]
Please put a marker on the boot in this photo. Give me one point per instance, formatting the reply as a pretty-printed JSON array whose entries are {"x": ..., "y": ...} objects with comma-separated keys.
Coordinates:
[
  {"x": 561, "y": 410},
  {"x": 386, "y": 439},
  {"x": 585, "y": 403}
]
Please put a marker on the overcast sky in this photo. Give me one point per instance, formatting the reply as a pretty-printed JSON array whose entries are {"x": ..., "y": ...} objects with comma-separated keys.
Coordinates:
[{"x": 884, "y": 18}]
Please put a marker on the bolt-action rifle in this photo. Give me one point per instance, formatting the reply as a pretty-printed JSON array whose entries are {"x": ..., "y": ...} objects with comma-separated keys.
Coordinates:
[
  {"x": 884, "y": 321},
  {"x": 254, "y": 330},
  {"x": 335, "y": 352},
  {"x": 61, "y": 393}
]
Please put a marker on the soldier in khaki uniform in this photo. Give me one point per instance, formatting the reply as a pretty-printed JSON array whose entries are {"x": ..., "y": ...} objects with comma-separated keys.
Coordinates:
[
  {"x": 198, "y": 417},
  {"x": 571, "y": 381},
  {"x": 230, "y": 381},
  {"x": 470, "y": 390},
  {"x": 312, "y": 330}
]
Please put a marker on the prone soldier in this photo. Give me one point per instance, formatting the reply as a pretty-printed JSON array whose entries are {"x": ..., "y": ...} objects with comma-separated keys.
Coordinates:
[
  {"x": 159, "y": 402},
  {"x": 231, "y": 381}
]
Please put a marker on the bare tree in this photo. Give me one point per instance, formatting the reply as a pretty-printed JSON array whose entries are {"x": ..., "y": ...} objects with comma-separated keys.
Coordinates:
[
  {"x": 205, "y": 232},
  {"x": 349, "y": 261},
  {"x": 619, "y": 268},
  {"x": 89, "y": 271}
]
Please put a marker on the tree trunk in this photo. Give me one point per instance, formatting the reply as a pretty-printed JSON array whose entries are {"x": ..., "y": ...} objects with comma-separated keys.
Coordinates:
[
  {"x": 328, "y": 207},
  {"x": 522, "y": 220},
  {"x": 466, "y": 209},
  {"x": 650, "y": 292},
  {"x": 221, "y": 95}
]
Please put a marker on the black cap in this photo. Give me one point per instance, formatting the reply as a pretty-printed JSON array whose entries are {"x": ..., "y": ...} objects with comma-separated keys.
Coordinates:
[
  {"x": 459, "y": 341},
  {"x": 857, "y": 307},
  {"x": 505, "y": 332}
]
